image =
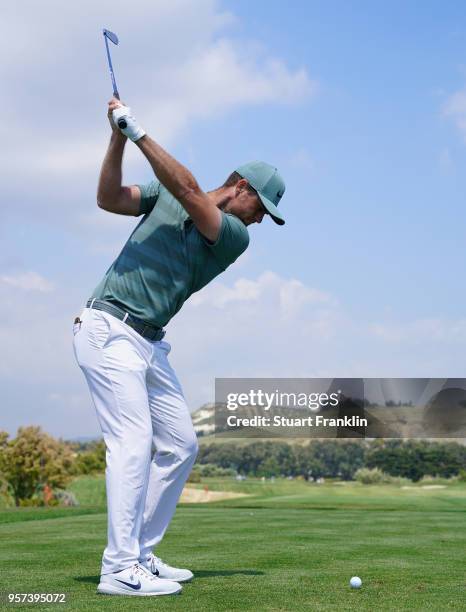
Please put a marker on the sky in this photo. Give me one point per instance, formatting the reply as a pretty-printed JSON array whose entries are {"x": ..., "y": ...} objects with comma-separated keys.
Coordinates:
[{"x": 361, "y": 106}]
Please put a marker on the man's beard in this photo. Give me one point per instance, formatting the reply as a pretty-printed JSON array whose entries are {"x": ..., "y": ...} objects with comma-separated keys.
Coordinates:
[{"x": 223, "y": 205}]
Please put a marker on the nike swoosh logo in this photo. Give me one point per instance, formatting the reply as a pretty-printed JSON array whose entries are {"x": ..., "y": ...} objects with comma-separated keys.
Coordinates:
[
  {"x": 153, "y": 569},
  {"x": 136, "y": 587}
]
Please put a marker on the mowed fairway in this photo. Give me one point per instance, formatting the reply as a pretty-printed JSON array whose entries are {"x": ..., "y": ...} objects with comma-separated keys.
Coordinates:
[{"x": 288, "y": 546}]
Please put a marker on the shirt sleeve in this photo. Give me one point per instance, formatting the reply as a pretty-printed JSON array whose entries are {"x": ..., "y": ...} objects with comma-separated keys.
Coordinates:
[
  {"x": 149, "y": 194},
  {"x": 232, "y": 240}
]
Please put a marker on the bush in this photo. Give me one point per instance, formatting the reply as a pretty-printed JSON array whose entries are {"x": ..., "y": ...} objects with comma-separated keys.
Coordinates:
[
  {"x": 214, "y": 471},
  {"x": 6, "y": 498},
  {"x": 209, "y": 470},
  {"x": 438, "y": 479},
  {"x": 91, "y": 460},
  {"x": 34, "y": 459},
  {"x": 370, "y": 476},
  {"x": 376, "y": 476},
  {"x": 37, "y": 501},
  {"x": 194, "y": 476},
  {"x": 33, "y": 501}
]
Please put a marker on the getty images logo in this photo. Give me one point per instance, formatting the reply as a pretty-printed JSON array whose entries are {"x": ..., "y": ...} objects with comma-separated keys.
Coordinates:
[{"x": 278, "y": 399}]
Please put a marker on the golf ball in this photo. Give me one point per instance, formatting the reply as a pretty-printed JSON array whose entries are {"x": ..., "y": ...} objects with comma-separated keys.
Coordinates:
[{"x": 355, "y": 582}]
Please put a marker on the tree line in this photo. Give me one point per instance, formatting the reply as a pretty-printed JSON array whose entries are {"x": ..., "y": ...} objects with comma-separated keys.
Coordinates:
[
  {"x": 33, "y": 464},
  {"x": 411, "y": 459}
]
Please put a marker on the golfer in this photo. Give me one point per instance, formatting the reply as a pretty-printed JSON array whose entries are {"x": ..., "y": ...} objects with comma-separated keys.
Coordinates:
[{"x": 186, "y": 237}]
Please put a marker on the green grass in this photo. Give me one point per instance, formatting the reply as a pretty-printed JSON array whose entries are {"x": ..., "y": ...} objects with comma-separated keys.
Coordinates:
[
  {"x": 288, "y": 546},
  {"x": 89, "y": 490}
]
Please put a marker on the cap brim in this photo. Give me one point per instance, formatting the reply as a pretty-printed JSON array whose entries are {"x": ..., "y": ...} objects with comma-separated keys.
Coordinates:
[{"x": 272, "y": 210}]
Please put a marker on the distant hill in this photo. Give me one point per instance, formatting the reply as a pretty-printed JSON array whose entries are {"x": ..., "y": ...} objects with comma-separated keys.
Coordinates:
[
  {"x": 84, "y": 439},
  {"x": 204, "y": 419}
]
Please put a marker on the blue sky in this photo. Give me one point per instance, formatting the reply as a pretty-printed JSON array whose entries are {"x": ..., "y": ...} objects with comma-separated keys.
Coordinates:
[{"x": 361, "y": 105}]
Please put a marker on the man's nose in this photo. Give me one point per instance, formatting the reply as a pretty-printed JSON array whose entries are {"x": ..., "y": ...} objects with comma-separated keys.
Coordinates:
[{"x": 260, "y": 216}]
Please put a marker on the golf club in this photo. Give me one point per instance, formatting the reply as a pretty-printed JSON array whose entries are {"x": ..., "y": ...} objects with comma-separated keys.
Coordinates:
[{"x": 108, "y": 35}]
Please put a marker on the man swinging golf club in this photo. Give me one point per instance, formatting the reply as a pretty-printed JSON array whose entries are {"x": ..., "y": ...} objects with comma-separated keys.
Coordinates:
[{"x": 186, "y": 237}]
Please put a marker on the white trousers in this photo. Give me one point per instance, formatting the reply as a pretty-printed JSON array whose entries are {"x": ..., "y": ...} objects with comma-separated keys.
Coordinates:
[{"x": 140, "y": 407}]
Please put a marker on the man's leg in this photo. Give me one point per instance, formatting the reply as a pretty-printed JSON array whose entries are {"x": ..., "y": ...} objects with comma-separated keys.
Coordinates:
[
  {"x": 176, "y": 448},
  {"x": 114, "y": 363}
]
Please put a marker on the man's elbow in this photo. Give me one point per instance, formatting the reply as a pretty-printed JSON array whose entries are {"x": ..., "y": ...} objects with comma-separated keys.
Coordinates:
[
  {"x": 104, "y": 201},
  {"x": 102, "y": 205}
]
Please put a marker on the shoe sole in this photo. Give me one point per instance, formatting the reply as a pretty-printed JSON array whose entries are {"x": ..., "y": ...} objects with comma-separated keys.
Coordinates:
[{"x": 108, "y": 589}]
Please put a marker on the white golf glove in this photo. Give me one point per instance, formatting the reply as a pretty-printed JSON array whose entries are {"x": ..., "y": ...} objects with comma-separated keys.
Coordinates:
[{"x": 128, "y": 125}]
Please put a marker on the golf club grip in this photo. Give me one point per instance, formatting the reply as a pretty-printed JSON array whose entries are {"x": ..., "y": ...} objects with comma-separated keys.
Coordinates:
[{"x": 116, "y": 95}]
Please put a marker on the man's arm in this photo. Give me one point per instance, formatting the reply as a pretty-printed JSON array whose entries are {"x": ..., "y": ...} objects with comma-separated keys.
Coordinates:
[
  {"x": 183, "y": 186},
  {"x": 111, "y": 195},
  {"x": 177, "y": 179}
]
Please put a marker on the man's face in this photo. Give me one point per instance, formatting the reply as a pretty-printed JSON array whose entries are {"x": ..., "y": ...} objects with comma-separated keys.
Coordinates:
[{"x": 246, "y": 204}]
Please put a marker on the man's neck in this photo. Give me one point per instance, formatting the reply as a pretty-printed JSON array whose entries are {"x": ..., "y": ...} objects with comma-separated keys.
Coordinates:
[{"x": 219, "y": 198}]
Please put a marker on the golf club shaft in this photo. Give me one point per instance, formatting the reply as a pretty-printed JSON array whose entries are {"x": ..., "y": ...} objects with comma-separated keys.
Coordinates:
[{"x": 115, "y": 89}]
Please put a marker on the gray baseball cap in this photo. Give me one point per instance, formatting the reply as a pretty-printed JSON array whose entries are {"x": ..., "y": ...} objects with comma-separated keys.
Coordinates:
[{"x": 268, "y": 183}]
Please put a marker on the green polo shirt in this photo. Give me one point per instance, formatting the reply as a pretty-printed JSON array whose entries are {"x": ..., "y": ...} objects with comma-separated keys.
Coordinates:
[{"x": 166, "y": 259}]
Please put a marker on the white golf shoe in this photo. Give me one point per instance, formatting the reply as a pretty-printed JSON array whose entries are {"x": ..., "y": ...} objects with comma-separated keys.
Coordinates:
[
  {"x": 136, "y": 581},
  {"x": 158, "y": 568}
]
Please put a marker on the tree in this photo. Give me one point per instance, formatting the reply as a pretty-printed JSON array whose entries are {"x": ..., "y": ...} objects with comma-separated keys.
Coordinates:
[
  {"x": 34, "y": 459},
  {"x": 269, "y": 467},
  {"x": 414, "y": 459},
  {"x": 92, "y": 459}
]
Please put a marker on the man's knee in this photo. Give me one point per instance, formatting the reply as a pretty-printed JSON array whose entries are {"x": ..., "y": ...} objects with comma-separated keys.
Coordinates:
[{"x": 184, "y": 452}]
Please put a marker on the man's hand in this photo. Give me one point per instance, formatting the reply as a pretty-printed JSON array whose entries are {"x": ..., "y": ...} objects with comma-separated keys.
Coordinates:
[
  {"x": 112, "y": 105},
  {"x": 122, "y": 121}
]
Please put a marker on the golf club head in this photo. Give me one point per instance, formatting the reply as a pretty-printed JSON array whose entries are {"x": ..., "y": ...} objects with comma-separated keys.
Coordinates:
[{"x": 111, "y": 36}]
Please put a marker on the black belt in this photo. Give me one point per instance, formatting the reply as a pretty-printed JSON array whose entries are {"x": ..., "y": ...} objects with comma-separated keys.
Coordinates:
[{"x": 144, "y": 329}]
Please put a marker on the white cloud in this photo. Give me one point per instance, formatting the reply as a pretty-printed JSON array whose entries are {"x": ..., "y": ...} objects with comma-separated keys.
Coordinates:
[
  {"x": 273, "y": 326},
  {"x": 61, "y": 158},
  {"x": 294, "y": 296},
  {"x": 290, "y": 295},
  {"x": 28, "y": 281},
  {"x": 175, "y": 65},
  {"x": 269, "y": 326},
  {"x": 217, "y": 79},
  {"x": 179, "y": 63},
  {"x": 226, "y": 74}
]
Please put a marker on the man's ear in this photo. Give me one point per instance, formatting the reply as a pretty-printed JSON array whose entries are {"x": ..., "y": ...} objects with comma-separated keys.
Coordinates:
[{"x": 240, "y": 186}]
